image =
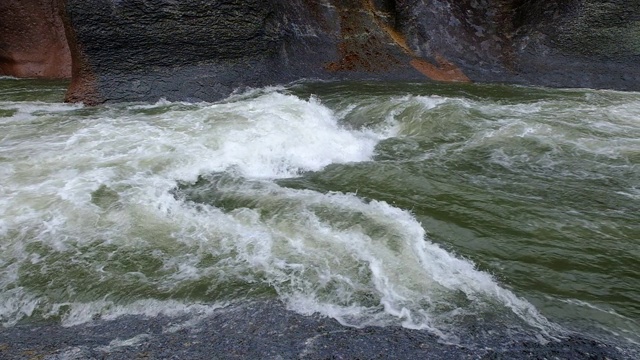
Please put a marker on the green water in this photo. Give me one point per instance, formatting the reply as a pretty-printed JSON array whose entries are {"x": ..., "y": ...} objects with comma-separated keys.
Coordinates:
[
  {"x": 538, "y": 187},
  {"x": 324, "y": 195}
]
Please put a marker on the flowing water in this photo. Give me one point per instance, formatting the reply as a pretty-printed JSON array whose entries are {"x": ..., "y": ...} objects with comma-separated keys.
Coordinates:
[{"x": 435, "y": 207}]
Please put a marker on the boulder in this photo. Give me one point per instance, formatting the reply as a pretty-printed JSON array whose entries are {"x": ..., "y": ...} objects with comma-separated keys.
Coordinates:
[{"x": 32, "y": 40}]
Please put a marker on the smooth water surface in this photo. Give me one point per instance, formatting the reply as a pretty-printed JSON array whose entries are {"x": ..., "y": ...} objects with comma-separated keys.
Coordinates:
[{"x": 437, "y": 207}]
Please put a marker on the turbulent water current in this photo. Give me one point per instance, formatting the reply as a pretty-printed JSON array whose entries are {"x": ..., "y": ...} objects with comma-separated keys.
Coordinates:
[{"x": 434, "y": 207}]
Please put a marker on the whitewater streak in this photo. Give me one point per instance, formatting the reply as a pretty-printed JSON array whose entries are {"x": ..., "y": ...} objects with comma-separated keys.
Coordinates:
[{"x": 91, "y": 223}]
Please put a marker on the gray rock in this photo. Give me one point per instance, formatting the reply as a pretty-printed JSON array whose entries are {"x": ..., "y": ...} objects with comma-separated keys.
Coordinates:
[
  {"x": 266, "y": 330},
  {"x": 201, "y": 50}
]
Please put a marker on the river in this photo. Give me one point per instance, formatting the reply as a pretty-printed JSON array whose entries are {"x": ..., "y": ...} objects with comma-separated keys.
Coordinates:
[{"x": 426, "y": 206}]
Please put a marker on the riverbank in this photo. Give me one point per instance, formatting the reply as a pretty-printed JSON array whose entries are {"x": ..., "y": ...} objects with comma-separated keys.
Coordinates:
[{"x": 267, "y": 330}]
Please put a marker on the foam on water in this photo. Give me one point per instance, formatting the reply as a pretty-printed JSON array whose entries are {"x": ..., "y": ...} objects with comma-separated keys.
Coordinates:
[
  {"x": 363, "y": 263},
  {"x": 47, "y": 187},
  {"x": 539, "y": 132},
  {"x": 81, "y": 198},
  {"x": 80, "y": 313}
]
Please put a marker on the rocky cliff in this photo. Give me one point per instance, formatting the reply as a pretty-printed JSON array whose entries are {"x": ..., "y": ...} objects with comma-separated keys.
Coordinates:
[
  {"x": 142, "y": 50},
  {"x": 32, "y": 40}
]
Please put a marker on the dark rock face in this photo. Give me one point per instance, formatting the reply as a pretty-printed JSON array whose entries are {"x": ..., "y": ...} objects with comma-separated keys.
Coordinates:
[
  {"x": 570, "y": 43},
  {"x": 142, "y": 50},
  {"x": 32, "y": 40},
  {"x": 202, "y": 49}
]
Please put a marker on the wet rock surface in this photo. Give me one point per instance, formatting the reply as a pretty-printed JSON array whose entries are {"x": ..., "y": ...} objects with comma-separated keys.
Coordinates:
[
  {"x": 32, "y": 40},
  {"x": 202, "y": 50},
  {"x": 266, "y": 330}
]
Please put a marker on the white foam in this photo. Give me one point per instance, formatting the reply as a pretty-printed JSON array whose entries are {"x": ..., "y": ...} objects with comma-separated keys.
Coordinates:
[
  {"x": 360, "y": 262},
  {"x": 79, "y": 313},
  {"x": 281, "y": 141},
  {"x": 16, "y": 304},
  {"x": 431, "y": 102},
  {"x": 31, "y": 110},
  {"x": 119, "y": 343},
  {"x": 319, "y": 262},
  {"x": 47, "y": 190}
]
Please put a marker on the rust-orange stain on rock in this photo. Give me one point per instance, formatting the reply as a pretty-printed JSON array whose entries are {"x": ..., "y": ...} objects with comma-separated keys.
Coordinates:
[
  {"x": 374, "y": 53},
  {"x": 363, "y": 47},
  {"x": 32, "y": 40},
  {"x": 445, "y": 71},
  {"x": 83, "y": 81}
]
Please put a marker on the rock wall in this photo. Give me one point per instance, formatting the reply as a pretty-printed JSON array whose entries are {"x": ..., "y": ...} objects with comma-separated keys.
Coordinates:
[
  {"x": 32, "y": 40},
  {"x": 202, "y": 49},
  {"x": 143, "y": 50},
  {"x": 558, "y": 43}
]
